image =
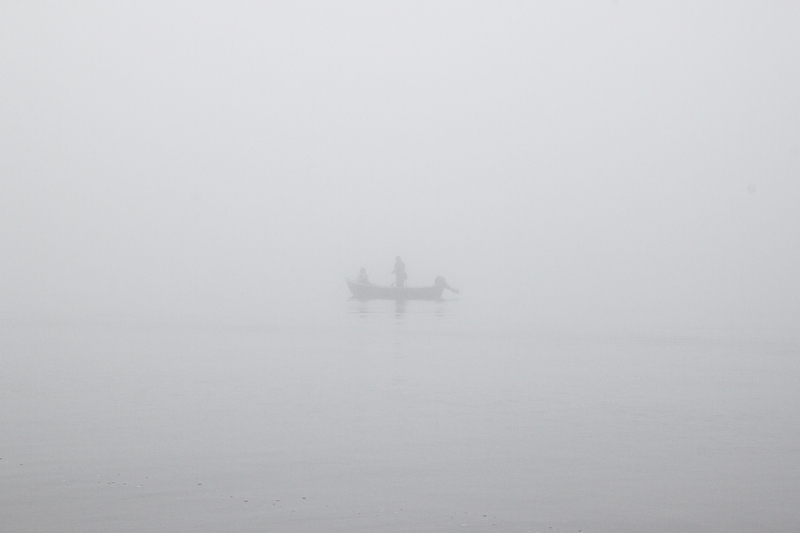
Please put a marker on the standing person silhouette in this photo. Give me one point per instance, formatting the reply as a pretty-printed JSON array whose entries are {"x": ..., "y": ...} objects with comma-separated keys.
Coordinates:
[{"x": 399, "y": 271}]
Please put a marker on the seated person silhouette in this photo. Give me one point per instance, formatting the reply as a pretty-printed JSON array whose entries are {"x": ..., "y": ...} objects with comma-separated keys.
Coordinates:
[
  {"x": 399, "y": 272},
  {"x": 440, "y": 282}
]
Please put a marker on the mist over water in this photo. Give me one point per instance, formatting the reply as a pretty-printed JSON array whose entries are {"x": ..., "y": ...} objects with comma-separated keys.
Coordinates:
[
  {"x": 614, "y": 189},
  {"x": 606, "y": 165}
]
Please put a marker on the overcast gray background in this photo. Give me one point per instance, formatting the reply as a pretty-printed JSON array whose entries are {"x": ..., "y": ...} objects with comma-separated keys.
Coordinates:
[{"x": 570, "y": 165}]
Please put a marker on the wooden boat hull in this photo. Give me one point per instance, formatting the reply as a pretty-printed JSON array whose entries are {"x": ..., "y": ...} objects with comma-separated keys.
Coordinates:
[{"x": 363, "y": 291}]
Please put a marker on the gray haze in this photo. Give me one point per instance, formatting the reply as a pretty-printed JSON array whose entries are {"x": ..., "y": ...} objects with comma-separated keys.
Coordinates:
[
  {"x": 185, "y": 186},
  {"x": 601, "y": 165}
]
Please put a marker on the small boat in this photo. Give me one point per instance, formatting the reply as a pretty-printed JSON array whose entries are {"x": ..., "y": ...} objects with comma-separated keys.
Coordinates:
[{"x": 368, "y": 291}]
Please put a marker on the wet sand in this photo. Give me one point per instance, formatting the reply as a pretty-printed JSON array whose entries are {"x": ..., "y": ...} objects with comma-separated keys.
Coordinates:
[{"x": 387, "y": 426}]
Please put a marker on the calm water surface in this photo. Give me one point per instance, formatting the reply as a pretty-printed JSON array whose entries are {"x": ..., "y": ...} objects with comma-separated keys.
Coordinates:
[{"x": 394, "y": 418}]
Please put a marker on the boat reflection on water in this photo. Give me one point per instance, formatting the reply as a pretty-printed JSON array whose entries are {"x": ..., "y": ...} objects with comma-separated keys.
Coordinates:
[{"x": 400, "y": 308}]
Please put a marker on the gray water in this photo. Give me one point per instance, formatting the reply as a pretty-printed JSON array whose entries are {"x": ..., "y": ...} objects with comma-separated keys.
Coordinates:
[{"x": 394, "y": 418}]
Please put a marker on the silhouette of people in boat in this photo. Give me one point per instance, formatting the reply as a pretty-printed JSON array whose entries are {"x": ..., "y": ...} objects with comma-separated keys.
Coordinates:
[
  {"x": 399, "y": 272},
  {"x": 440, "y": 282},
  {"x": 362, "y": 277}
]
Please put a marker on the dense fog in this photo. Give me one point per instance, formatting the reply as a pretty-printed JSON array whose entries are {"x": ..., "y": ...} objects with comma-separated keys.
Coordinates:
[{"x": 593, "y": 165}]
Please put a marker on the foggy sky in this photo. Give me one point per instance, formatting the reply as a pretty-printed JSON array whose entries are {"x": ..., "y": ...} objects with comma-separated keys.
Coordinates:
[{"x": 589, "y": 164}]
